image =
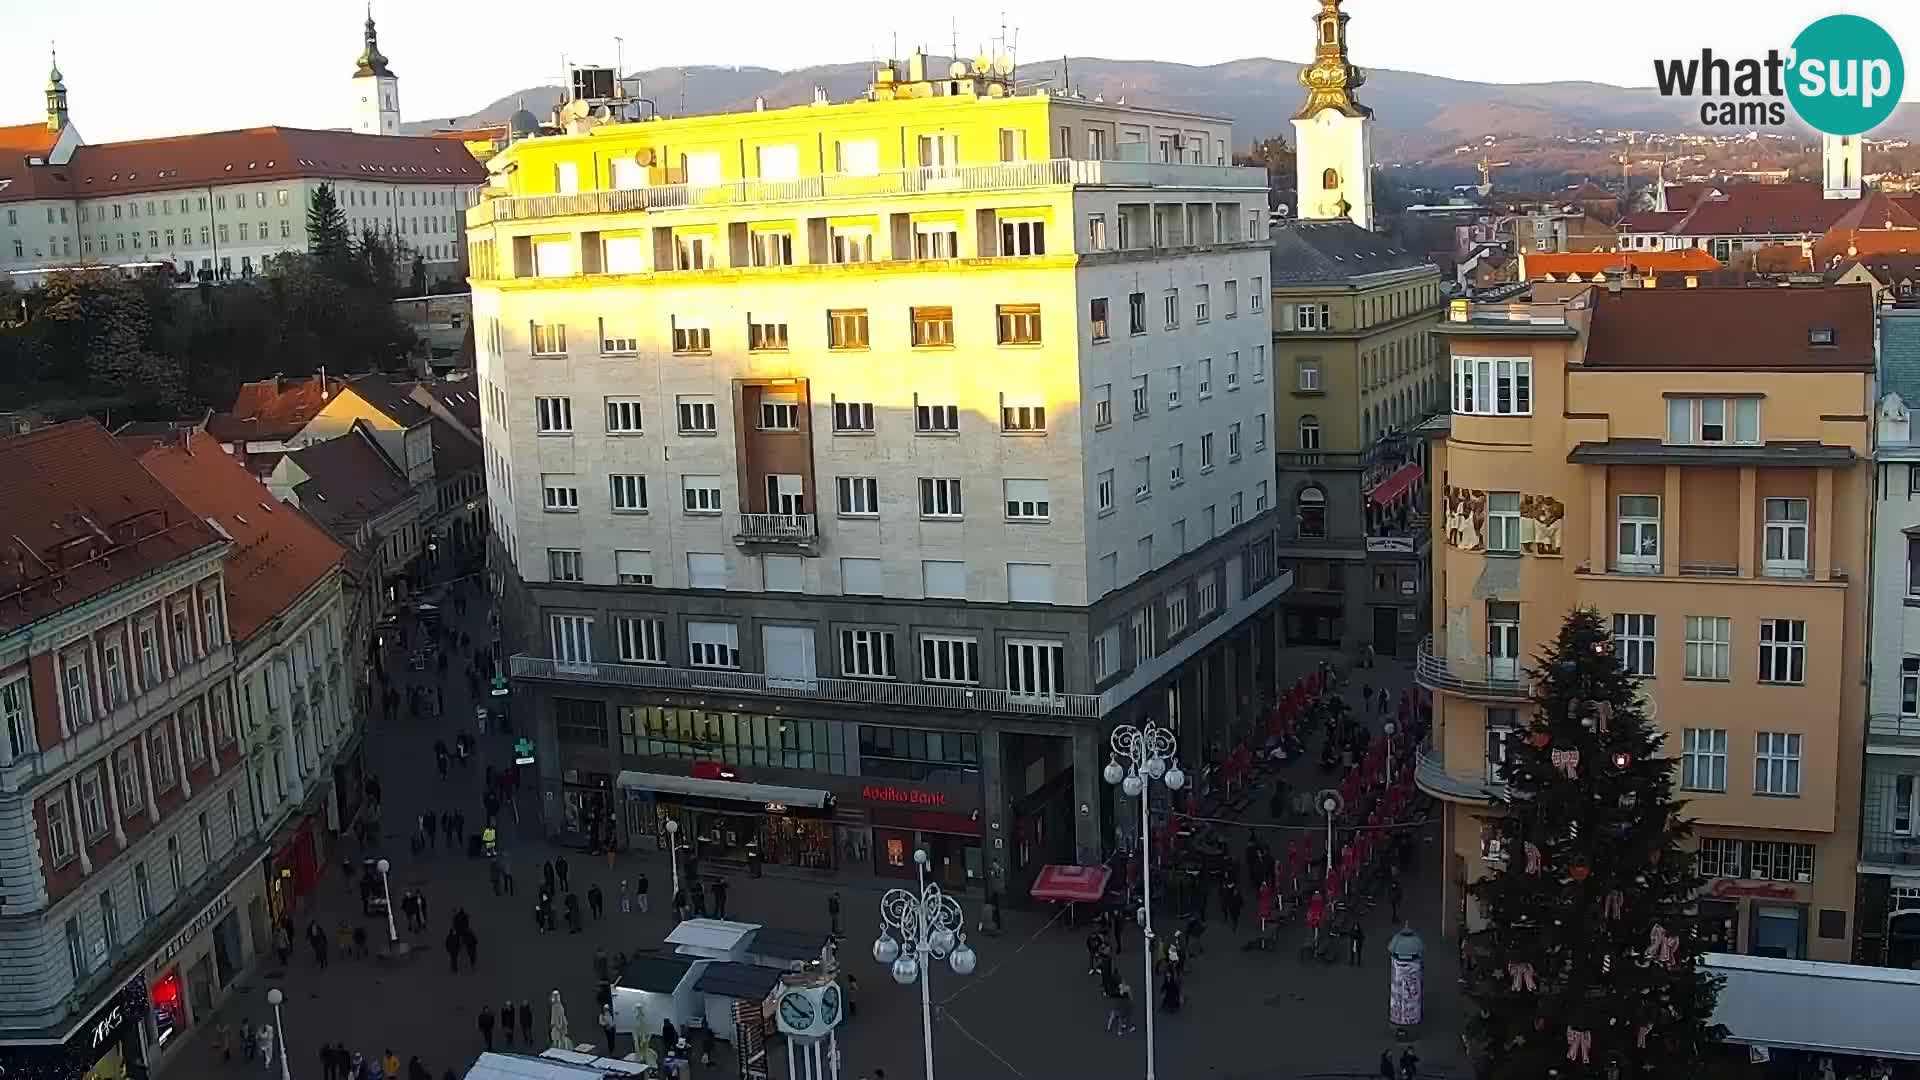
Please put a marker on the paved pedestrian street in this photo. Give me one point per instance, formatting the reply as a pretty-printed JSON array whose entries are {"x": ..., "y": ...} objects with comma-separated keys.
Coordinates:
[{"x": 1029, "y": 1011}]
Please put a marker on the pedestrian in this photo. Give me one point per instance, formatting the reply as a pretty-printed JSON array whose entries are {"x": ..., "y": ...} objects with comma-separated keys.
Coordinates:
[
  {"x": 573, "y": 913},
  {"x": 833, "y": 914},
  {"x": 357, "y": 1066},
  {"x": 409, "y": 908},
  {"x": 606, "y": 1027},
  {"x": 1231, "y": 901},
  {"x": 526, "y": 1021},
  {"x": 493, "y": 875},
  {"x": 1409, "y": 1064},
  {"x": 486, "y": 1029},
  {"x": 460, "y": 827},
  {"x": 427, "y": 826},
  {"x": 560, "y": 868},
  {"x": 1096, "y": 948},
  {"x": 329, "y": 1065},
  {"x": 596, "y": 901},
  {"x": 506, "y": 1023},
  {"x": 640, "y": 887},
  {"x": 453, "y": 949},
  {"x": 317, "y": 938},
  {"x": 420, "y": 905},
  {"x": 283, "y": 942},
  {"x": 626, "y": 900},
  {"x": 417, "y": 1071},
  {"x": 390, "y": 1065},
  {"x": 1120, "y": 1016},
  {"x": 506, "y": 875},
  {"x": 720, "y": 898},
  {"x": 680, "y": 905},
  {"x": 471, "y": 942},
  {"x": 1357, "y": 942},
  {"x": 263, "y": 1041},
  {"x": 1393, "y": 897},
  {"x": 440, "y": 752},
  {"x": 223, "y": 1043},
  {"x": 244, "y": 1037},
  {"x": 346, "y": 868},
  {"x": 669, "y": 1036},
  {"x": 699, "y": 896},
  {"x": 1386, "y": 1064},
  {"x": 546, "y": 874},
  {"x": 360, "y": 942}
]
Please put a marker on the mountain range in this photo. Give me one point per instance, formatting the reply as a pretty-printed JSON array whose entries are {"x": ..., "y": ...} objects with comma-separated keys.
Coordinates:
[{"x": 1418, "y": 117}]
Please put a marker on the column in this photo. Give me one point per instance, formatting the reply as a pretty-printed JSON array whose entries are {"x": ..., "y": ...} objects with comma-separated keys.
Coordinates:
[
  {"x": 1087, "y": 763},
  {"x": 113, "y": 801},
  {"x": 1822, "y": 554},
  {"x": 1600, "y": 542},
  {"x": 993, "y": 807},
  {"x": 1670, "y": 522},
  {"x": 179, "y": 756},
  {"x": 1743, "y": 529}
]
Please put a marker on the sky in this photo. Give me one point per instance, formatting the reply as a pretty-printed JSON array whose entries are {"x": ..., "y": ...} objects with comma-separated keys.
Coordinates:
[{"x": 230, "y": 72}]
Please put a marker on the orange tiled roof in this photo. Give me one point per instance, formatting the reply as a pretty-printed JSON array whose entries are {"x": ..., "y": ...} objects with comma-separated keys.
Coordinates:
[
  {"x": 1560, "y": 264},
  {"x": 26, "y": 138},
  {"x": 1750, "y": 209},
  {"x": 82, "y": 515},
  {"x": 273, "y": 409},
  {"x": 278, "y": 552}
]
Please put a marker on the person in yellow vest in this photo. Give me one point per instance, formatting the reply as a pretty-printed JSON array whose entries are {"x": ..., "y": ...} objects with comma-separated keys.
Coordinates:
[{"x": 488, "y": 838}]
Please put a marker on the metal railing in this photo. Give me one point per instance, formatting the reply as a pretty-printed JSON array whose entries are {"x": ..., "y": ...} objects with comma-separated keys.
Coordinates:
[
  {"x": 850, "y": 691},
  {"x": 1893, "y": 725},
  {"x": 1709, "y": 569},
  {"x": 1476, "y": 677},
  {"x": 1886, "y": 849},
  {"x": 1431, "y": 774},
  {"x": 800, "y": 529},
  {"x": 996, "y": 176},
  {"x": 1319, "y": 459}
]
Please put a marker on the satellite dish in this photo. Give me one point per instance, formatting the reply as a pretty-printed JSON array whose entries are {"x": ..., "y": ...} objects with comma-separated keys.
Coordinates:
[
  {"x": 957, "y": 69},
  {"x": 1004, "y": 65},
  {"x": 1281, "y": 212},
  {"x": 983, "y": 64}
]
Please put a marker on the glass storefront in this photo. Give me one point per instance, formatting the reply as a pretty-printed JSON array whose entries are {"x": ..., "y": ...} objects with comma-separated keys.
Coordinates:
[
  {"x": 781, "y": 838},
  {"x": 735, "y": 738},
  {"x": 168, "y": 1017}
]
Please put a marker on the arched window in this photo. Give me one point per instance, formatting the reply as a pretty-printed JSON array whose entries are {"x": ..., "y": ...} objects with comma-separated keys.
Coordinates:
[
  {"x": 1327, "y": 31},
  {"x": 1309, "y": 432},
  {"x": 1330, "y": 179},
  {"x": 1312, "y": 513}
]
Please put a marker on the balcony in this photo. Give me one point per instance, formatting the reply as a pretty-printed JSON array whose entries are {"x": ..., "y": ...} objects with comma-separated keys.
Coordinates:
[
  {"x": 1479, "y": 677},
  {"x": 1319, "y": 459},
  {"x": 998, "y": 176},
  {"x": 1893, "y": 726},
  {"x": 1431, "y": 774},
  {"x": 1886, "y": 849},
  {"x": 788, "y": 532},
  {"x": 902, "y": 695}
]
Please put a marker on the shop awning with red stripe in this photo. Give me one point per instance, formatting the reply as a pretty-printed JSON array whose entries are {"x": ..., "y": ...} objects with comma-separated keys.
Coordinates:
[
  {"x": 1395, "y": 485},
  {"x": 1075, "y": 884}
]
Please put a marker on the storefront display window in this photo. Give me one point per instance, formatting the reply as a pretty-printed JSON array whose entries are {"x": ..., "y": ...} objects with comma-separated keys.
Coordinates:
[
  {"x": 736, "y": 738},
  {"x": 169, "y": 1007},
  {"x": 897, "y": 753},
  {"x": 778, "y": 838},
  {"x": 1778, "y": 931}
]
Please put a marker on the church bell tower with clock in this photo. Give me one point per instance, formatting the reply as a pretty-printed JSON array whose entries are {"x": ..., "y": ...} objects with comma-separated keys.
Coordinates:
[{"x": 1333, "y": 132}]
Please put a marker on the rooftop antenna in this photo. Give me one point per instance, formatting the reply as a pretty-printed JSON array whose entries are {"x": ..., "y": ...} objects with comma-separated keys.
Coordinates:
[
  {"x": 953, "y": 42},
  {"x": 619, "y": 58},
  {"x": 683, "y": 91}
]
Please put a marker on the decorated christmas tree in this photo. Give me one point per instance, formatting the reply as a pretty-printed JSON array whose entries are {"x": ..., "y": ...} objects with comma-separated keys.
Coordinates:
[{"x": 1591, "y": 967}]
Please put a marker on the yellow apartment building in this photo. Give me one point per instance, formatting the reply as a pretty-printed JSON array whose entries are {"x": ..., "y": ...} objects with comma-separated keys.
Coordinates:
[{"x": 1696, "y": 465}]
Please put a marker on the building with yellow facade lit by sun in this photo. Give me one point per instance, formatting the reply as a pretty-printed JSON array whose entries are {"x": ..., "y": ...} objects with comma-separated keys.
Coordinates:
[{"x": 855, "y": 467}]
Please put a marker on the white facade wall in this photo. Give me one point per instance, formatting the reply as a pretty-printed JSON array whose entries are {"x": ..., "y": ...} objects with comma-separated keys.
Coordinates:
[{"x": 290, "y": 738}]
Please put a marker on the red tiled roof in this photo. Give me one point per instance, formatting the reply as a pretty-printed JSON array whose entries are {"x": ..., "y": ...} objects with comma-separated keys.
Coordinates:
[
  {"x": 1876, "y": 211},
  {"x": 82, "y": 518},
  {"x": 26, "y": 138},
  {"x": 1758, "y": 209},
  {"x": 1651, "y": 221},
  {"x": 273, "y": 409},
  {"x": 1559, "y": 264},
  {"x": 1867, "y": 242},
  {"x": 1683, "y": 196},
  {"x": 262, "y": 154},
  {"x": 349, "y": 479},
  {"x": 1731, "y": 329},
  {"x": 278, "y": 554}
]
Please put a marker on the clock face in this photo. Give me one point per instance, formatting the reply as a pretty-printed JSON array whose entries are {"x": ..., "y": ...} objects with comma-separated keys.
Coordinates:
[
  {"x": 830, "y": 1005},
  {"x": 796, "y": 1010}
]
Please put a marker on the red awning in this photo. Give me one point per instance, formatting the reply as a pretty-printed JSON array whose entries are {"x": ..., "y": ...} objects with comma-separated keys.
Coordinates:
[
  {"x": 1077, "y": 884},
  {"x": 1396, "y": 485}
]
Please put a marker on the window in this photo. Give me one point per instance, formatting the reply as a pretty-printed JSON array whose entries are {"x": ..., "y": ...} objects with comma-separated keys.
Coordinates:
[
  {"x": 182, "y": 635},
  {"x": 1910, "y": 686},
  {"x": 559, "y": 494},
  {"x": 776, "y": 415},
  {"x": 1207, "y": 594},
  {"x": 1232, "y": 298},
  {"x": 60, "y": 844},
  {"x": 1173, "y": 387},
  {"x": 1786, "y": 538},
  {"x": 1096, "y": 232},
  {"x": 697, "y": 416},
  {"x": 1257, "y": 294},
  {"x": 160, "y": 758},
  {"x": 629, "y": 493},
  {"x": 1023, "y": 419},
  {"x": 1145, "y": 644},
  {"x": 1501, "y": 724},
  {"x": 1103, "y": 414},
  {"x": 1176, "y": 464},
  {"x": 1103, "y": 491},
  {"x": 1776, "y": 763},
  {"x": 1234, "y": 513},
  {"x": 1308, "y": 380},
  {"x": 1140, "y": 399},
  {"x": 932, "y": 326},
  {"x": 856, "y": 157},
  {"x": 943, "y": 578},
  {"x": 1029, "y": 583},
  {"x": 1260, "y": 497},
  {"x": 1713, "y": 421},
  {"x": 16, "y": 709},
  {"x": 1703, "y": 759},
  {"x": 700, "y": 494},
  {"x": 1633, "y": 636},
  {"x": 852, "y": 416},
  {"x": 564, "y": 564},
  {"x": 1170, "y": 309},
  {"x": 1309, "y": 432},
  {"x": 1201, "y": 303},
  {"x": 572, "y": 638},
  {"x": 1311, "y": 512},
  {"x": 1137, "y": 313},
  {"x": 859, "y": 496},
  {"x": 939, "y": 497},
  {"x": 851, "y": 245},
  {"x": 1143, "y": 476},
  {"x": 1027, "y": 500},
  {"x": 633, "y": 567},
  {"x": 640, "y": 640},
  {"x": 580, "y": 723},
  {"x": 1233, "y": 441},
  {"x": 713, "y": 645},
  {"x": 1023, "y": 237},
  {"x": 1019, "y": 324},
  {"x": 1639, "y": 534},
  {"x": 847, "y": 329},
  {"x": 1778, "y": 860},
  {"x": 1176, "y": 613},
  {"x": 549, "y": 339},
  {"x": 133, "y": 796},
  {"x": 764, "y": 336},
  {"x": 1901, "y": 811},
  {"x": 193, "y": 737},
  {"x": 691, "y": 337},
  {"x": 555, "y": 415},
  {"x": 946, "y": 659},
  {"x": 866, "y": 654},
  {"x": 93, "y": 806},
  {"x": 1206, "y": 451},
  {"x": 1036, "y": 669},
  {"x": 212, "y": 621},
  {"x": 1783, "y": 650},
  {"x": 936, "y": 240},
  {"x": 1493, "y": 387},
  {"x": 1720, "y": 857},
  {"x": 1709, "y": 647},
  {"x": 1260, "y": 431},
  {"x": 74, "y": 691},
  {"x": 860, "y": 577},
  {"x": 623, "y": 416},
  {"x": 706, "y": 570},
  {"x": 771, "y": 247},
  {"x": 690, "y": 252},
  {"x": 1097, "y": 317},
  {"x": 1311, "y": 316},
  {"x": 936, "y": 419}
]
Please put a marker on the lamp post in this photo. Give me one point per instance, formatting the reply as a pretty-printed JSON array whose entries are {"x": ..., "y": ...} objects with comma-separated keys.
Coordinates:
[
  {"x": 930, "y": 926},
  {"x": 673, "y": 855},
  {"x": 1389, "y": 728},
  {"x": 1141, "y": 755},
  {"x": 274, "y": 998},
  {"x": 386, "y": 890}
]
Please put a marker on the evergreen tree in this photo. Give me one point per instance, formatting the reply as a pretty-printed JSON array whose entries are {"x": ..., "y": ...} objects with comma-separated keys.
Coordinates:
[
  {"x": 1592, "y": 967},
  {"x": 328, "y": 240}
]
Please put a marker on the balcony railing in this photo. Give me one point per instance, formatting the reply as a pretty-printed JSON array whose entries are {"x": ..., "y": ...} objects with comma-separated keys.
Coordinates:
[
  {"x": 1885, "y": 849},
  {"x": 784, "y": 530},
  {"x": 1893, "y": 725},
  {"x": 1480, "y": 676},
  {"x": 1319, "y": 459},
  {"x": 998, "y": 176},
  {"x": 1431, "y": 773},
  {"x": 849, "y": 691}
]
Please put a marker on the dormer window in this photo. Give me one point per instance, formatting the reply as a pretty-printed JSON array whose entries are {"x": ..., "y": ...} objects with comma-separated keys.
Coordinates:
[
  {"x": 1820, "y": 336},
  {"x": 1713, "y": 421}
]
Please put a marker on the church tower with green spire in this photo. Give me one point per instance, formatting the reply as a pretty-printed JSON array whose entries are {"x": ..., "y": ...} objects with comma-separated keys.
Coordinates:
[{"x": 376, "y": 89}]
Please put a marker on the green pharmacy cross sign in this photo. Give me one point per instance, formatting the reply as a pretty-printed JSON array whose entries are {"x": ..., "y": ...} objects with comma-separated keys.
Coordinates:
[{"x": 523, "y": 751}]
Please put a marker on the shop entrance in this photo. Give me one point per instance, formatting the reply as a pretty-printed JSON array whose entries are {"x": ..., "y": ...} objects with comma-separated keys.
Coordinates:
[{"x": 733, "y": 836}]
